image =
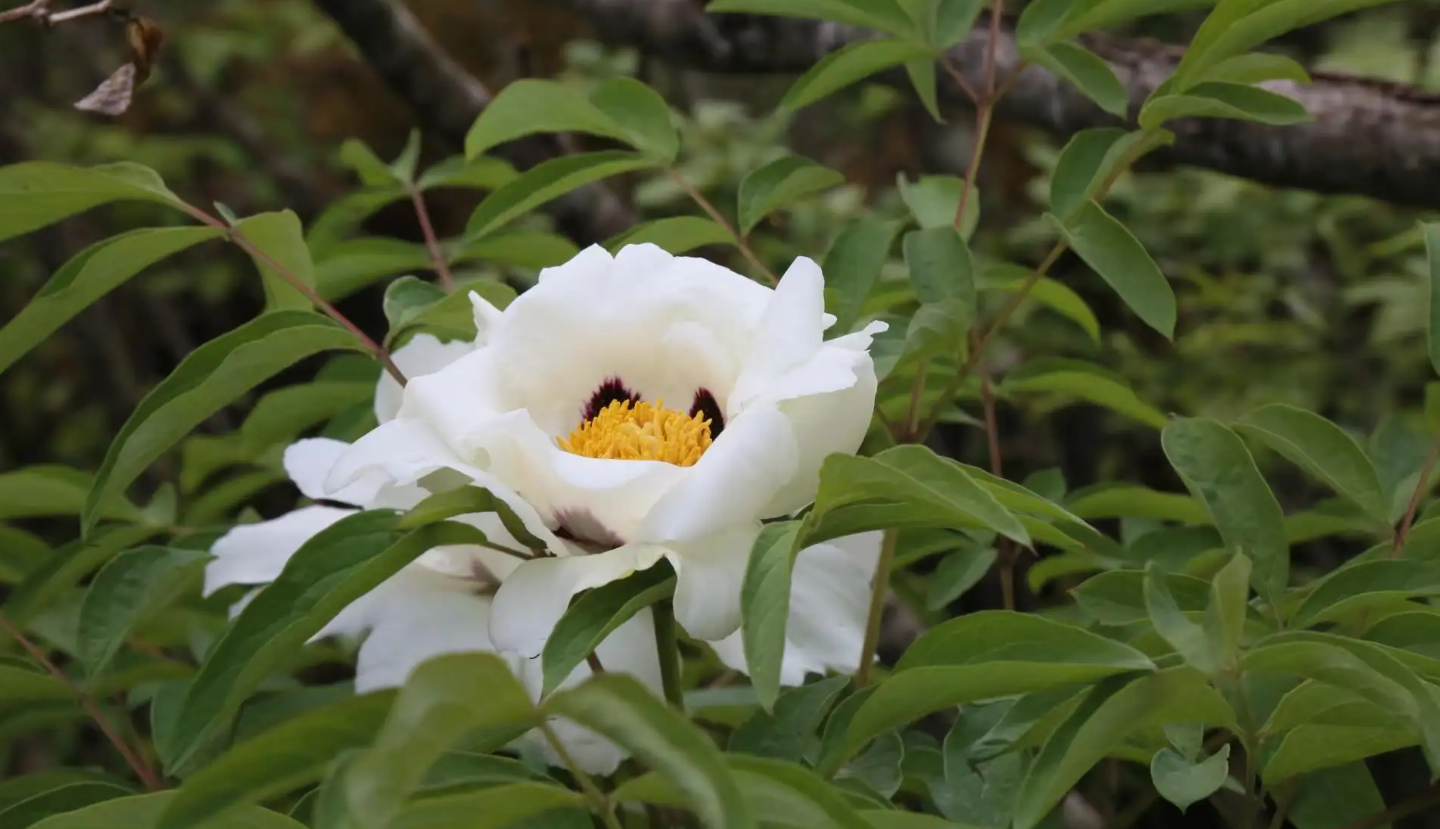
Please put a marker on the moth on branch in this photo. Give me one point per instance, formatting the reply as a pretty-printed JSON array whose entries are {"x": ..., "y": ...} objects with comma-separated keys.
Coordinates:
[{"x": 143, "y": 36}]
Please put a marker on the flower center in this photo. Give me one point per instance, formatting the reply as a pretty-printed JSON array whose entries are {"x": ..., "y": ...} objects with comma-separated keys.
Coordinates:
[{"x": 629, "y": 431}]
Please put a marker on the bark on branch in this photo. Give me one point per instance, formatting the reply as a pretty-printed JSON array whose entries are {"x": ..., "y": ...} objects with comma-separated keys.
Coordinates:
[
  {"x": 1370, "y": 138},
  {"x": 447, "y": 100}
]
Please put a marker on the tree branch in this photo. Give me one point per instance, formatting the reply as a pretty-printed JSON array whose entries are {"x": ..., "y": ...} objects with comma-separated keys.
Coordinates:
[
  {"x": 1370, "y": 138},
  {"x": 447, "y": 100}
]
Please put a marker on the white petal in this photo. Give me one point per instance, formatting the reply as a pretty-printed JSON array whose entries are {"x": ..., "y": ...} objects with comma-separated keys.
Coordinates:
[
  {"x": 536, "y": 594},
  {"x": 416, "y": 618},
  {"x": 788, "y": 334},
  {"x": 256, "y": 553},
  {"x": 731, "y": 484},
  {"x": 823, "y": 424},
  {"x": 829, "y": 602},
  {"x": 708, "y": 576},
  {"x": 423, "y": 354},
  {"x": 487, "y": 316},
  {"x": 629, "y": 649}
]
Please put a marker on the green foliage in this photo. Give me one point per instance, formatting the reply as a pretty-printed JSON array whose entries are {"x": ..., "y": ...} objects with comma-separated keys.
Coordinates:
[{"x": 1138, "y": 648}]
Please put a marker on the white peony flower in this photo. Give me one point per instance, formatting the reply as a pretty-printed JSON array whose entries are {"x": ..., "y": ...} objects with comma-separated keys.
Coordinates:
[
  {"x": 438, "y": 604},
  {"x": 636, "y": 408}
]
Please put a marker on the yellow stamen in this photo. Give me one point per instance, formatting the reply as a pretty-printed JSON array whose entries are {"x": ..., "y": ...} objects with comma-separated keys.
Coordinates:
[{"x": 641, "y": 433}]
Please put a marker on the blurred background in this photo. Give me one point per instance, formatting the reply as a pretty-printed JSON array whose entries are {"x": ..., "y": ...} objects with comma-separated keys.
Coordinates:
[{"x": 1285, "y": 295}]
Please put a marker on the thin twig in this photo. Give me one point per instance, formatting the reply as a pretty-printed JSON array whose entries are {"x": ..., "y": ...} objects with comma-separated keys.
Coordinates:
[
  {"x": 1413, "y": 806},
  {"x": 442, "y": 267},
  {"x": 35, "y": 9},
  {"x": 56, "y": 18},
  {"x": 239, "y": 239},
  {"x": 699, "y": 198},
  {"x": 880, "y": 590},
  {"x": 1006, "y": 548},
  {"x": 142, "y": 769},
  {"x": 1421, "y": 487},
  {"x": 598, "y": 801},
  {"x": 917, "y": 393}
]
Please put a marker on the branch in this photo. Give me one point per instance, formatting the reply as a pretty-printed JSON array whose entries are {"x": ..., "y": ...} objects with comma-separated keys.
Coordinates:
[
  {"x": 1370, "y": 138},
  {"x": 447, "y": 100}
]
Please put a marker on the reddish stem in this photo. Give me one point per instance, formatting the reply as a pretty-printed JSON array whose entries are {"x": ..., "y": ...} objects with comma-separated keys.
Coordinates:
[
  {"x": 1421, "y": 486},
  {"x": 442, "y": 267},
  {"x": 142, "y": 770}
]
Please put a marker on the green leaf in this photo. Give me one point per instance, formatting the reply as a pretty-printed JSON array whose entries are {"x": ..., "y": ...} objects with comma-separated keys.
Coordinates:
[
  {"x": 1040, "y": 19},
  {"x": 1225, "y": 613},
  {"x": 1371, "y": 584},
  {"x": 281, "y": 241},
  {"x": 675, "y": 234},
  {"x": 443, "y": 700},
  {"x": 37, "y": 193},
  {"x": 1056, "y": 296},
  {"x": 357, "y": 156},
  {"x": 779, "y": 183},
  {"x": 1089, "y": 160},
  {"x": 212, "y": 376},
  {"x": 1357, "y": 666},
  {"x": 908, "y": 487},
  {"x": 16, "y": 789},
  {"x": 941, "y": 266},
  {"x": 921, "y": 72},
  {"x": 1321, "y": 448},
  {"x": 1117, "y": 256},
  {"x": 620, "y": 708},
  {"x": 489, "y": 808},
  {"x": 983, "y": 656},
  {"x": 407, "y": 298},
  {"x": 131, "y": 588},
  {"x": 1335, "y": 797},
  {"x": 334, "y": 568},
  {"x": 545, "y": 181},
  {"x": 1431, "y": 231},
  {"x": 1218, "y": 469},
  {"x": 466, "y": 500},
  {"x": 345, "y": 267},
  {"x": 849, "y": 64},
  {"x": 878, "y": 769},
  {"x": 1184, "y": 783},
  {"x": 853, "y": 265},
  {"x": 21, "y": 552},
  {"x": 1224, "y": 100},
  {"x": 1084, "y": 70},
  {"x": 1118, "y": 597},
  {"x": 885, "y": 15},
  {"x": 456, "y": 171},
  {"x": 643, "y": 116},
  {"x": 292, "y": 754},
  {"x": 49, "y": 581},
  {"x": 953, "y": 21},
  {"x": 594, "y": 616},
  {"x": 957, "y": 573},
  {"x": 1258, "y": 67},
  {"x": 143, "y": 810},
  {"x": 52, "y": 490},
  {"x": 1100, "y": 724},
  {"x": 281, "y": 415},
  {"x": 621, "y": 108},
  {"x": 788, "y": 731},
  {"x": 1313, "y": 748},
  {"x": 765, "y": 607},
  {"x": 934, "y": 200},
  {"x": 1076, "y": 378},
  {"x": 520, "y": 248},
  {"x": 786, "y": 794},
  {"x": 24, "y": 684},
  {"x": 1120, "y": 500},
  {"x": 1099, "y": 14},
  {"x": 1240, "y": 25},
  {"x": 1187, "y": 638},
  {"x": 62, "y": 799},
  {"x": 938, "y": 329},
  {"x": 894, "y": 819},
  {"x": 90, "y": 275}
]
